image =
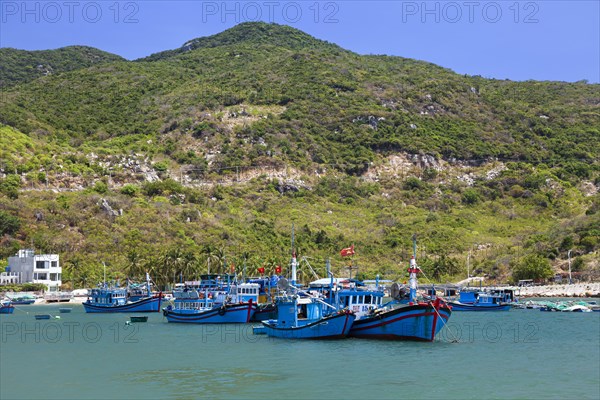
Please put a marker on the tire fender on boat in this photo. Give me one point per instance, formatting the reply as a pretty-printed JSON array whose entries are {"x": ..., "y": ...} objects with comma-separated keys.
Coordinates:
[{"x": 222, "y": 310}]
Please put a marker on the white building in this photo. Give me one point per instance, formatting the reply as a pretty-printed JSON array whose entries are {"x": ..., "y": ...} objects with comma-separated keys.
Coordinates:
[
  {"x": 40, "y": 268},
  {"x": 9, "y": 278}
]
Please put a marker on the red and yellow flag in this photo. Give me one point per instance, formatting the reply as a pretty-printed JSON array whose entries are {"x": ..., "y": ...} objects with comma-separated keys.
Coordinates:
[{"x": 348, "y": 251}]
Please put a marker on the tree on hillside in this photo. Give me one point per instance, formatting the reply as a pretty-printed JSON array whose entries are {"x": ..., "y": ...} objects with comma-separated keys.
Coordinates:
[
  {"x": 532, "y": 266},
  {"x": 9, "y": 224}
]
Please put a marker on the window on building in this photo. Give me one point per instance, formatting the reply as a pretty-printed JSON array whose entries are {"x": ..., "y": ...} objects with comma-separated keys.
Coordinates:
[
  {"x": 54, "y": 264},
  {"x": 42, "y": 277},
  {"x": 53, "y": 277},
  {"x": 40, "y": 264}
]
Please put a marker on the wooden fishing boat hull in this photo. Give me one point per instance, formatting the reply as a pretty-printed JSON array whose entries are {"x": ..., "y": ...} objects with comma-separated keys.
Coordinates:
[
  {"x": 149, "y": 304},
  {"x": 479, "y": 307},
  {"x": 336, "y": 326},
  {"x": 227, "y": 314},
  {"x": 419, "y": 322}
]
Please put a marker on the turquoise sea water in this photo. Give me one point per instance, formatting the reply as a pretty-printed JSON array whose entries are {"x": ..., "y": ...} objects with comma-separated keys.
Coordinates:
[{"x": 515, "y": 354}]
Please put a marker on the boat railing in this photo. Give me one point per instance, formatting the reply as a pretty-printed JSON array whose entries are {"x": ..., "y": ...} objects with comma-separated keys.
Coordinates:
[{"x": 186, "y": 294}]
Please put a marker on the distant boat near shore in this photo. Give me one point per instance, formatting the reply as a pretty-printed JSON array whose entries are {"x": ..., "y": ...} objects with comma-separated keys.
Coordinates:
[
  {"x": 6, "y": 307},
  {"x": 112, "y": 299}
]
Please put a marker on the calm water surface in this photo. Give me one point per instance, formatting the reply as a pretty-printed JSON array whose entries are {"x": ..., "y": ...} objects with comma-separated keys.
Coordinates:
[{"x": 515, "y": 354}]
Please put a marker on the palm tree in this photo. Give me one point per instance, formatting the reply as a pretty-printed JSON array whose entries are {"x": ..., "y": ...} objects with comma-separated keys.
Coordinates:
[
  {"x": 243, "y": 260},
  {"x": 189, "y": 264},
  {"x": 209, "y": 253},
  {"x": 220, "y": 259},
  {"x": 134, "y": 266}
]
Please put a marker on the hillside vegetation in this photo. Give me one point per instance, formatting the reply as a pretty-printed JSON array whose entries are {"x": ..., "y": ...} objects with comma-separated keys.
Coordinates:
[
  {"x": 20, "y": 66},
  {"x": 211, "y": 152}
]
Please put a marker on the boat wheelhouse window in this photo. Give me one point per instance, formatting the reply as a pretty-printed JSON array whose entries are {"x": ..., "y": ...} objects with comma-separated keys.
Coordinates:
[{"x": 368, "y": 299}]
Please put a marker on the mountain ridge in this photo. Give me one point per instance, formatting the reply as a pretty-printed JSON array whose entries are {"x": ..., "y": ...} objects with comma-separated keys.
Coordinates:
[
  {"x": 21, "y": 66},
  {"x": 227, "y": 144}
]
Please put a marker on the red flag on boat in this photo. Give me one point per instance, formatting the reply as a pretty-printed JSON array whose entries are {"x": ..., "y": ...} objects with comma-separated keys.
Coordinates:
[
  {"x": 278, "y": 269},
  {"x": 348, "y": 251},
  {"x": 261, "y": 270}
]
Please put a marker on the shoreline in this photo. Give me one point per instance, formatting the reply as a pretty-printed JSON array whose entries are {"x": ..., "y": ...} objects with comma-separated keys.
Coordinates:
[{"x": 565, "y": 290}]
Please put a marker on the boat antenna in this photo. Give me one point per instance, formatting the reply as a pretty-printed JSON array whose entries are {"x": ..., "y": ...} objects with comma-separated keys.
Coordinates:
[{"x": 104, "y": 264}]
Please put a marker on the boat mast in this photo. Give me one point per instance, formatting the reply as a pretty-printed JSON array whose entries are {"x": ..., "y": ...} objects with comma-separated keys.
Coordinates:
[
  {"x": 294, "y": 263},
  {"x": 148, "y": 284},
  {"x": 413, "y": 270},
  {"x": 330, "y": 274}
]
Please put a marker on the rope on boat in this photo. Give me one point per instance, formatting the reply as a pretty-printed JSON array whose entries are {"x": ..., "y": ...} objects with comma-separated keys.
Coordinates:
[{"x": 19, "y": 309}]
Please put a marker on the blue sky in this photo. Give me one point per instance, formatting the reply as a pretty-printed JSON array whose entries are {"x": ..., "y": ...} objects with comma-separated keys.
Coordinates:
[{"x": 519, "y": 40}]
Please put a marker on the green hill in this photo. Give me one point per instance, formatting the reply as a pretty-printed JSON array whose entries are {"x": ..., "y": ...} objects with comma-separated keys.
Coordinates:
[
  {"x": 229, "y": 139},
  {"x": 250, "y": 33},
  {"x": 20, "y": 66}
]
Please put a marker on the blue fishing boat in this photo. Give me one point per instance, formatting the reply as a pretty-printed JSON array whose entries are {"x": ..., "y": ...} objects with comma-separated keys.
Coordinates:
[
  {"x": 192, "y": 305},
  {"x": 419, "y": 321},
  {"x": 105, "y": 299},
  {"x": 480, "y": 301},
  {"x": 303, "y": 318},
  {"x": 24, "y": 299},
  {"x": 397, "y": 320},
  {"x": 6, "y": 307}
]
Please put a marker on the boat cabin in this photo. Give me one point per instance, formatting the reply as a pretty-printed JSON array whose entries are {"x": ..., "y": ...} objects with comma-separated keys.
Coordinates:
[
  {"x": 295, "y": 311},
  {"x": 360, "y": 302},
  {"x": 489, "y": 299},
  {"x": 244, "y": 292},
  {"x": 268, "y": 287},
  {"x": 468, "y": 296},
  {"x": 105, "y": 296},
  {"x": 192, "y": 299},
  {"x": 506, "y": 295}
]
